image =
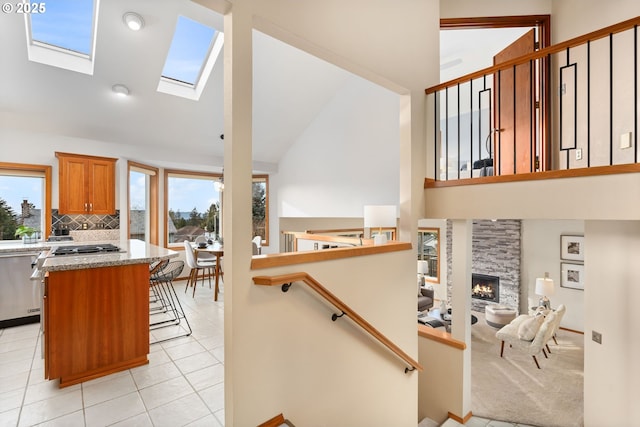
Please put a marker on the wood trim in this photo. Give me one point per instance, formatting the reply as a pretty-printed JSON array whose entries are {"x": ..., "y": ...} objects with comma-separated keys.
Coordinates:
[
  {"x": 47, "y": 171},
  {"x": 153, "y": 199},
  {"x": 85, "y": 156},
  {"x": 298, "y": 235},
  {"x": 276, "y": 421},
  {"x": 461, "y": 420},
  {"x": 293, "y": 258},
  {"x": 494, "y": 22},
  {"x": 441, "y": 337},
  {"x": 571, "y": 330},
  {"x": 537, "y": 176},
  {"x": 337, "y": 230},
  {"x": 336, "y": 302},
  {"x": 559, "y": 47}
]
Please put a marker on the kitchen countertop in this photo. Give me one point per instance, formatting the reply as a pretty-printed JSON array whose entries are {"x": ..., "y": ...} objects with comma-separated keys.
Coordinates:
[
  {"x": 12, "y": 246},
  {"x": 135, "y": 252}
]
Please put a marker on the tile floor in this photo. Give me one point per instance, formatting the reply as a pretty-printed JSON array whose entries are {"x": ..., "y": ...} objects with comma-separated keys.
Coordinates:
[{"x": 183, "y": 384}]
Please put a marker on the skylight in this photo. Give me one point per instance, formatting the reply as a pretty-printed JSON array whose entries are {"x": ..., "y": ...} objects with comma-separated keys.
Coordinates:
[
  {"x": 63, "y": 34},
  {"x": 193, "y": 52}
]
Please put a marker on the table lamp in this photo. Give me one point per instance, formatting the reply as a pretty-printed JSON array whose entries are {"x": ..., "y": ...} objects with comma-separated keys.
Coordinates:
[
  {"x": 544, "y": 288},
  {"x": 379, "y": 216}
]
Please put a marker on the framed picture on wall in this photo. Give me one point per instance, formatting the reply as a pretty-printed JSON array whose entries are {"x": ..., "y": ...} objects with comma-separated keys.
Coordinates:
[
  {"x": 572, "y": 248},
  {"x": 572, "y": 275}
]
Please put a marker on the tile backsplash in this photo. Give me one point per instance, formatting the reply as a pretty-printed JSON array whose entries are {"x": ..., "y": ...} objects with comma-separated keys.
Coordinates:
[{"x": 84, "y": 222}]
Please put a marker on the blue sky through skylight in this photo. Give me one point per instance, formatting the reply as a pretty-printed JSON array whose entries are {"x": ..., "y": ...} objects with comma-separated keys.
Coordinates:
[
  {"x": 188, "y": 51},
  {"x": 66, "y": 23}
]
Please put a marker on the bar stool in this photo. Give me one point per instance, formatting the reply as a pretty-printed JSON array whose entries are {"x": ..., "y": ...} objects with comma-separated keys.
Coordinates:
[{"x": 162, "y": 281}]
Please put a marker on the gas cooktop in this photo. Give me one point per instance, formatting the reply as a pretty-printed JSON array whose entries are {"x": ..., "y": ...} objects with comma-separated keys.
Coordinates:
[{"x": 85, "y": 249}]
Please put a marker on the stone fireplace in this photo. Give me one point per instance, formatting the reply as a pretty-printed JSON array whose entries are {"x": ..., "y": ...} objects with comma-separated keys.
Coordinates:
[
  {"x": 496, "y": 251},
  {"x": 485, "y": 287}
]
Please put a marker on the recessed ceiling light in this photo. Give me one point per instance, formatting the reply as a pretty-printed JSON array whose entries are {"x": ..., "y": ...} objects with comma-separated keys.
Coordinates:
[
  {"x": 133, "y": 21},
  {"x": 120, "y": 90}
]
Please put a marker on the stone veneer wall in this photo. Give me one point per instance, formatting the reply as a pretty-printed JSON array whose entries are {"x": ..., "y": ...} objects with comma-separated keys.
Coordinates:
[{"x": 495, "y": 250}]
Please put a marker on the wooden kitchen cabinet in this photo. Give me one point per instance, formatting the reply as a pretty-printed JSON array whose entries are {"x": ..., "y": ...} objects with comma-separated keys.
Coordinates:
[
  {"x": 96, "y": 322},
  {"x": 87, "y": 184}
]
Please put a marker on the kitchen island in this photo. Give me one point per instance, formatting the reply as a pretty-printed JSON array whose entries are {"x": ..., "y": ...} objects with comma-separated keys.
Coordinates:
[{"x": 96, "y": 311}]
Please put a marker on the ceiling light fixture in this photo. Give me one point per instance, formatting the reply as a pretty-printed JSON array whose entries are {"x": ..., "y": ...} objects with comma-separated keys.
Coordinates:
[
  {"x": 133, "y": 21},
  {"x": 120, "y": 90}
]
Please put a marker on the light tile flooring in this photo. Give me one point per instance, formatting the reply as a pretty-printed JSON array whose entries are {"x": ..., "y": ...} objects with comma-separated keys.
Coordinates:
[{"x": 183, "y": 384}]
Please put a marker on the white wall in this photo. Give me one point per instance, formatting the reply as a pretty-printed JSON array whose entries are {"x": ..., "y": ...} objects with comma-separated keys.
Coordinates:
[
  {"x": 540, "y": 254},
  {"x": 347, "y": 157},
  {"x": 611, "y": 371},
  {"x": 573, "y": 18},
  {"x": 474, "y": 8},
  {"x": 291, "y": 361}
]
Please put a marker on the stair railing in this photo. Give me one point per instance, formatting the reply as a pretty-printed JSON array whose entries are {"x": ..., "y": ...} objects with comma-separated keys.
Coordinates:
[
  {"x": 286, "y": 280},
  {"x": 468, "y": 137}
]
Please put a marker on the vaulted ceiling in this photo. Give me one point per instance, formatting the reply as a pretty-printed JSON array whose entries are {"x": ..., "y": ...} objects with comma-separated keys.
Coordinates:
[{"x": 290, "y": 87}]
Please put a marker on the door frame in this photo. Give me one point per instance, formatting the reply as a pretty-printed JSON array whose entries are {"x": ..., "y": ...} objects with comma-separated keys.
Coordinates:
[{"x": 542, "y": 23}]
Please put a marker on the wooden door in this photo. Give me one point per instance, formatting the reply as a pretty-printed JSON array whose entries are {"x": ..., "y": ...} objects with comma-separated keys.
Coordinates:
[{"x": 515, "y": 110}]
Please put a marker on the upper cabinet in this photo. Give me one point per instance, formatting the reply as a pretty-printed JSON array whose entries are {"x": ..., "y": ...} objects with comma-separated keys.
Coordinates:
[{"x": 87, "y": 184}]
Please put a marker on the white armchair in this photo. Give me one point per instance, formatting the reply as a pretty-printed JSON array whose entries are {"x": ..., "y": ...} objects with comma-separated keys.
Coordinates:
[{"x": 528, "y": 334}]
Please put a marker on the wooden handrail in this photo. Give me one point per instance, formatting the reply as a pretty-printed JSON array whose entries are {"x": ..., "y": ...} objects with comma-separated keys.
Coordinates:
[
  {"x": 577, "y": 41},
  {"x": 354, "y": 241},
  {"x": 288, "y": 279},
  {"x": 537, "y": 176},
  {"x": 276, "y": 421}
]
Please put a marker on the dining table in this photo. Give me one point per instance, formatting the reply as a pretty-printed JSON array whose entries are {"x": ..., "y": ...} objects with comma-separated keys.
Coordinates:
[{"x": 216, "y": 249}]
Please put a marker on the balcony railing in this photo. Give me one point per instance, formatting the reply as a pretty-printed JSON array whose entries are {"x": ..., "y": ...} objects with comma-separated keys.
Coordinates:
[{"x": 570, "y": 106}]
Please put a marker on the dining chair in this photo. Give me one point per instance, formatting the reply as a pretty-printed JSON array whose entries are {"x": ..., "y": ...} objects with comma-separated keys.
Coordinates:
[
  {"x": 203, "y": 256},
  {"x": 196, "y": 266}
]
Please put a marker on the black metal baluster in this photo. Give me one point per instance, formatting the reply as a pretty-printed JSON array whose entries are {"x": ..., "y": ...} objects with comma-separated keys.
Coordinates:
[
  {"x": 589, "y": 103},
  {"x": 611, "y": 99}
]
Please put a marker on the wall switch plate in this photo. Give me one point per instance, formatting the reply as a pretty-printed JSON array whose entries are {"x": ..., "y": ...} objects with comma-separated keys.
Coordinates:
[
  {"x": 625, "y": 140},
  {"x": 578, "y": 153},
  {"x": 596, "y": 336}
]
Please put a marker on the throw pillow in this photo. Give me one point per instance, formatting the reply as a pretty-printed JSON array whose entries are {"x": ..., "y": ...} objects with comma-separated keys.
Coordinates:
[{"x": 529, "y": 328}]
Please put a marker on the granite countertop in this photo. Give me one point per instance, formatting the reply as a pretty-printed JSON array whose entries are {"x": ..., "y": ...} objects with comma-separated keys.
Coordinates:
[{"x": 134, "y": 252}]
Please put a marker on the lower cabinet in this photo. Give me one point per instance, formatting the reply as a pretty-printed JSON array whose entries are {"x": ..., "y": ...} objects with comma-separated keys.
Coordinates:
[{"x": 96, "y": 322}]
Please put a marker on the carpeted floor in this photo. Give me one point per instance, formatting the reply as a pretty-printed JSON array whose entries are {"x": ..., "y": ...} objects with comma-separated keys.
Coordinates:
[{"x": 513, "y": 389}]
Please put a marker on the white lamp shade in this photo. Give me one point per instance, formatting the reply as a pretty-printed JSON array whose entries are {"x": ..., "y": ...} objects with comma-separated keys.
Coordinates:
[
  {"x": 544, "y": 286},
  {"x": 379, "y": 216},
  {"x": 423, "y": 267}
]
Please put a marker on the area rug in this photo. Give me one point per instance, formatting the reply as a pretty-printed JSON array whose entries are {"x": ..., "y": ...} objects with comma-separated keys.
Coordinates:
[{"x": 513, "y": 389}]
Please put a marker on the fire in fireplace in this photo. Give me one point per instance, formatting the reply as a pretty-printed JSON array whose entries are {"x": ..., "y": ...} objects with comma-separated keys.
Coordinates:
[{"x": 485, "y": 287}]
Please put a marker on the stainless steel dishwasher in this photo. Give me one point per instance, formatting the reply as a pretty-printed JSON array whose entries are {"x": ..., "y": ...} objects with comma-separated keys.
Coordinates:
[{"x": 20, "y": 297}]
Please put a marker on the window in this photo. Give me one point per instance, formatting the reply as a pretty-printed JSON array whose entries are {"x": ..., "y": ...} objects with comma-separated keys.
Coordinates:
[
  {"x": 143, "y": 203},
  {"x": 429, "y": 251},
  {"x": 193, "y": 206},
  {"x": 25, "y": 198},
  {"x": 260, "y": 207},
  {"x": 62, "y": 33},
  {"x": 194, "y": 50}
]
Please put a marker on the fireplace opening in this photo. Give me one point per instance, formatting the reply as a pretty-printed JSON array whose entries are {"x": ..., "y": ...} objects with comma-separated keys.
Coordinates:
[{"x": 485, "y": 287}]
